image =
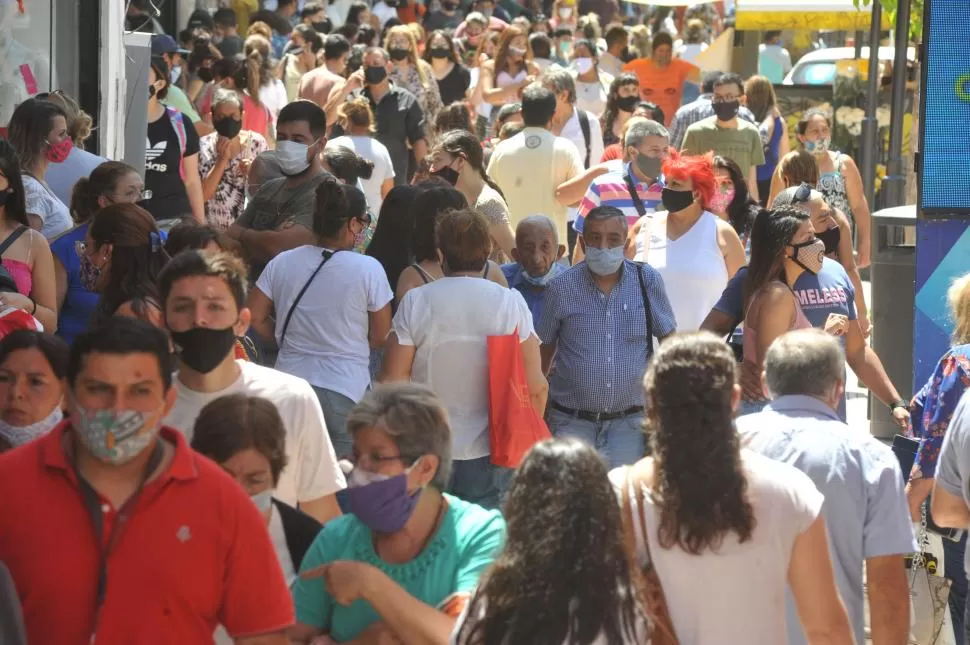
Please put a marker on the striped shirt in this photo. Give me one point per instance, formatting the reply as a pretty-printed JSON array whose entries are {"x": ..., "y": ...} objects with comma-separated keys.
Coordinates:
[
  {"x": 611, "y": 190},
  {"x": 601, "y": 340}
]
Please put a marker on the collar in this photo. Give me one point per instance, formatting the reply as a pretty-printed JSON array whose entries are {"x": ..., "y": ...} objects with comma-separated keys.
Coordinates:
[
  {"x": 391, "y": 89},
  {"x": 183, "y": 466},
  {"x": 802, "y": 405}
]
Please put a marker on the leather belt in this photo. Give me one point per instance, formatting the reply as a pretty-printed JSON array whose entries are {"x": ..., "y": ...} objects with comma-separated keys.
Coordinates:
[{"x": 596, "y": 417}]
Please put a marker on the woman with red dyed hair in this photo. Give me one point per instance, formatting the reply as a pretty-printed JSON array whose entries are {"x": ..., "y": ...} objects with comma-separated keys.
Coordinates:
[{"x": 695, "y": 251}]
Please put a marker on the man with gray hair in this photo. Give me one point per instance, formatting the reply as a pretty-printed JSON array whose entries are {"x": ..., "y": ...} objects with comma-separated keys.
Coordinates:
[
  {"x": 865, "y": 507},
  {"x": 536, "y": 254}
]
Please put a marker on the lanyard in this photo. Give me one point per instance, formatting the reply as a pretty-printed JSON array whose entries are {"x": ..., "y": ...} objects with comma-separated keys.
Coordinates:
[
  {"x": 92, "y": 504},
  {"x": 634, "y": 195}
]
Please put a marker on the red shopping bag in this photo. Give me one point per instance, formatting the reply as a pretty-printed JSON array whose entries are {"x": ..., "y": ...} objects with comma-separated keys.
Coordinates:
[{"x": 513, "y": 424}]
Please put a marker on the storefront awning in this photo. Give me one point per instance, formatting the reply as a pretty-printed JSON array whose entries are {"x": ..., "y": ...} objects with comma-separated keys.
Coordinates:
[
  {"x": 770, "y": 15},
  {"x": 670, "y": 3}
]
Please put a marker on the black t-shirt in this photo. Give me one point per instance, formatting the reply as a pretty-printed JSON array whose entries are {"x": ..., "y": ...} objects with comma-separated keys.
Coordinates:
[
  {"x": 230, "y": 46},
  {"x": 162, "y": 173},
  {"x": 454, "y": 85}
]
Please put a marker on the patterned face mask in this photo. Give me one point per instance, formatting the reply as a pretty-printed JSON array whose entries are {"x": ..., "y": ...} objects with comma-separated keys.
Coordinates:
[{"x": 114, "y": 436}]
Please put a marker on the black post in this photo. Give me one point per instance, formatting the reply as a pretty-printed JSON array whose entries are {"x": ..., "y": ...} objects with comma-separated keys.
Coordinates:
[
  {"x": 89, "y": 76},
  {"x": 895, "y": 179},
  {"x": 870, "y": 126}
]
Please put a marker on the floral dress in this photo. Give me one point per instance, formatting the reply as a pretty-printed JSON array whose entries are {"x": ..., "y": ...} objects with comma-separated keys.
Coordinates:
[
  {"x": 832, "y": 187},
  {"x": 933, "y": 406},
  {"x": 230, "y": 198},
  {"x": 427, "y": 93}
]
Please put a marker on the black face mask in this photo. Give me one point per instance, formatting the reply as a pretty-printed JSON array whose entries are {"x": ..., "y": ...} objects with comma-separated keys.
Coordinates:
[
  {"x": 5, "y": 197},
  {"x": 831, "y": 237},
  {"x": 676, "y": 200},
  {"x": 151, "y": 91},
  {"x": 202, "y": 348},
  {"x": 374, "y": 75},
  {"x": 322, "y": 27},
  {"x": 205, "y": 74},
  {"x": 627, "y": 103},
  {"x": 727, "y": 110},
  {"x": 440, "y": 52},
  {"x": 447, "y": 173},
  {"x": 227, "y": 127},
  {"x": 398, "y": 53}
]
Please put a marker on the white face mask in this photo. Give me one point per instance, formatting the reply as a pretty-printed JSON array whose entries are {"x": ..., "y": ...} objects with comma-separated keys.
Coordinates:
[
  {"x": 583, "y": 65},
  {"x": 19, "y": 435},
  {"x": 264, "y": 500},
  {"x": 292, "y": 157}
]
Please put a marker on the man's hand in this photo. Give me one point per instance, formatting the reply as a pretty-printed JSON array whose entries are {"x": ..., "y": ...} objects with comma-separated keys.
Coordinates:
[
  {"x": 355, "y": 81},
  {"x": 345, "y": 580}
]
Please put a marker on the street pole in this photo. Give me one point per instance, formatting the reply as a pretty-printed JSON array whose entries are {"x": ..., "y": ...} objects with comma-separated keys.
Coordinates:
[
  {"x": 870, "y": 126},
  {"x": 895, "y": 180}
]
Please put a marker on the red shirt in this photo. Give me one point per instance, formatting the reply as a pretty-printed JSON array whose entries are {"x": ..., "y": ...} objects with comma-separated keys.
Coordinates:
[{"x": 194, "y": 553}]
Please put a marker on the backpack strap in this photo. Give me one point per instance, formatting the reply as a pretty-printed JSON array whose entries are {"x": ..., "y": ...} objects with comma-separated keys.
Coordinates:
[
  {"x": 13, "y": 237},
  {"x": 177, "y": 119},
  {"x": 587, "y": 134}
]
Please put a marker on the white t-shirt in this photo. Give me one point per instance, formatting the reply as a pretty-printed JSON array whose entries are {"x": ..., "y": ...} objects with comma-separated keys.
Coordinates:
[
  {"x": 574, "y": 132},
  {"x": 448, "y": 321},
  {"x": 273, "y": 97},
  {"x": 383, "y": 12},
  {"x": 741, "y": 586},
  {"x": 311, "y": 471},
  {"x": 42, "y": 202},
  {"x": 326, "y": 342},
  {"x": 373, "y": 150}
]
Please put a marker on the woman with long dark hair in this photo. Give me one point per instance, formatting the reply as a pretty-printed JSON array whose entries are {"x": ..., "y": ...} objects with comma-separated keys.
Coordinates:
[
  {"x": 458, "y": 159},
  {"x": 560, "y": 509},
  {"x": 621, "y": 100},
  {"x": 731, "y": 201},
  {"x": 393, "y": 227},
  {"x": 453, "y": 78},
  {"x": 26, "y": 255},
  {"x": 121, "y": 259},
  {"x": 711, "y": 510},
  {"x": 113, "y": 182}
]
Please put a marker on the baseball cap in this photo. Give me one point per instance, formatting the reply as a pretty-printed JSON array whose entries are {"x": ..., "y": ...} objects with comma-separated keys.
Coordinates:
[
  {"x": 161, "y": 67},
  {"x": 165, "y": 44}
]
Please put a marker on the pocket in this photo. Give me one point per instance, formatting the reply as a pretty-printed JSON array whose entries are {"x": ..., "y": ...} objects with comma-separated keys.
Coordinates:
[{"x": 634, "y": 321}]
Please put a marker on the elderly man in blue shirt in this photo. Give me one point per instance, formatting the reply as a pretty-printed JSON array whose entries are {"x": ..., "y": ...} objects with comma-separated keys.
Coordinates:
[
  {"x": 536, "y": 254},
  {"x": 598, "y": 322},
  {"x": 865, "y": 506}
]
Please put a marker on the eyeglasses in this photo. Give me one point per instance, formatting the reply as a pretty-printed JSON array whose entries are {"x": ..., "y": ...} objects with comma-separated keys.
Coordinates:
[
  {"x": 140, "y": 196},
  {"x": 802, "y": 194}
]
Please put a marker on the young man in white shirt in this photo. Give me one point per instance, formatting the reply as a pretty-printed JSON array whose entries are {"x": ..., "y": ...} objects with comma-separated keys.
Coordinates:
[{"x": 203, "y": 296}]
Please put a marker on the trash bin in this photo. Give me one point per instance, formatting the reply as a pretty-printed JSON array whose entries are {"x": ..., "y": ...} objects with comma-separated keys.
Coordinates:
[{"x": 893, "y": 289}]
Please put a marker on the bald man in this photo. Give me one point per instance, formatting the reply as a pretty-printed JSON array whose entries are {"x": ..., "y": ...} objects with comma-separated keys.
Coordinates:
[{"x": 537, "y": 253}]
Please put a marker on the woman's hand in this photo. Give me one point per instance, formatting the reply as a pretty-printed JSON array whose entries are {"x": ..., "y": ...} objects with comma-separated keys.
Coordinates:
[
  {"x": 227, "y": 149},
  {"x": 837, "y": 324},
  {"x": 345, "y": 580},
  {"x": 750, "y": 381},
  {"x": 17, "y": 301}
]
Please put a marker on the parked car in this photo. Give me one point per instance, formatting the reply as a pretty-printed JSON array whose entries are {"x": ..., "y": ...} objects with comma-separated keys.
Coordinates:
[{"x": 819, "y": 67}]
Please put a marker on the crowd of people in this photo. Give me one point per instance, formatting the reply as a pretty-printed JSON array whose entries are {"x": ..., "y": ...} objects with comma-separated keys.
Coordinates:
[{"x": 341, "y": 206}]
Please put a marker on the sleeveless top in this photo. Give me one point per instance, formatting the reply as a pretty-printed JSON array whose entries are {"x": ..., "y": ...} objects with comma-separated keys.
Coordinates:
[
  {"x": 79, "y": 303},
  {"x": 427, "y": 277},
  {"x": 20, "y": 272},
  {"x": 751, "y": 334},
  {"x": 832, "y": 187},
  {"x": 767, "y": 169},
  {"x": 692, "y": 267},
  {"x": 502, "y": 79}
]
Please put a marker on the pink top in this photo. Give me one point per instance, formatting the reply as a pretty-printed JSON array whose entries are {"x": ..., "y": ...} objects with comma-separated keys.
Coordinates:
[
  {"x": 751, "y": 334},
  {"x": 20, "y": 272}
]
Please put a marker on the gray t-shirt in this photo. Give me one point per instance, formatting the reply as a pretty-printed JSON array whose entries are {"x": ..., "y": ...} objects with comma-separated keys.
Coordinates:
[
  {"x": 953, "y": 468},
  {"x": 865, "y": 507}
]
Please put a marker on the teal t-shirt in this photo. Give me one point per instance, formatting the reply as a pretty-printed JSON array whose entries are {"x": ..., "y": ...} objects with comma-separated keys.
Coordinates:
[{"x": 466, "y": 543}]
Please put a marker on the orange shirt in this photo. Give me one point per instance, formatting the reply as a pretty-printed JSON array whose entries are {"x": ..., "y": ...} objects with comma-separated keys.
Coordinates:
[{"x": 661, "y": 85}]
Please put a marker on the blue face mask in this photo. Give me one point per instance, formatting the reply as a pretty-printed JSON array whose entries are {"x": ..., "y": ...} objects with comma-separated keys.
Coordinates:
[
  {"x": 543, "y": 280},
  {"x": 604, "y": 261}
]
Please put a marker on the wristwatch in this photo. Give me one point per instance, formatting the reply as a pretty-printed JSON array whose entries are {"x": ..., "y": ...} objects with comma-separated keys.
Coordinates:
[{"x": 898, "y": 403}]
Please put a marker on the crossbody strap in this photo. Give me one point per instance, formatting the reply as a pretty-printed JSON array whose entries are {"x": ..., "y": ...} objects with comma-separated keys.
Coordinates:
[
  {"x": 634, "y": 195},
  {"x": 289, "y": 314},
  {"x": 587, "y": 134},
  {"x": 646, "y": 310},
  {"x": 13, "y": 237}
]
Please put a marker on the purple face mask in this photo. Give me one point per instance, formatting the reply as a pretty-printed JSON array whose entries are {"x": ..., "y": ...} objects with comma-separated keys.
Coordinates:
[{"x": 381, "y": 503}]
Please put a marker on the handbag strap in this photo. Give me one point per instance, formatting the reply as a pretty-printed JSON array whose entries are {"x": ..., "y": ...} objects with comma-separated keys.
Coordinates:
[
  {"x": 289, "y": 314},
  {"x": 646, "y": 310}
]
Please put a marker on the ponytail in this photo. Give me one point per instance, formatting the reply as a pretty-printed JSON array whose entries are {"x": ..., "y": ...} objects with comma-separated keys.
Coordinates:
[
  {"x": 335, "y": 205},
  {"x": 84, "y": 201},
  {"x": 347, "y": 165},
  {"x": 254, "y": 64},
  {"x": 103, "y": 180}
]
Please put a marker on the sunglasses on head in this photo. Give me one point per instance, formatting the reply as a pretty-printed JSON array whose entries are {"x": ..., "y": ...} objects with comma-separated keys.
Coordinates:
[{"x": 802, "y": 194}]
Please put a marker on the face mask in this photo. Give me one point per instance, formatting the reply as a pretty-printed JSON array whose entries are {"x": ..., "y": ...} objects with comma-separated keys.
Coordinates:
[
  {"x": 626, "y": 103},
  {"x": 487, "y": 13},
  {"x": 516, "y": 51},
  {"x": 5, "y": 197},
  {"x": 440, "y": 52},
  {"x": 375, "y": 75},
  {"x": 114, "y": 436},
  {"x": 604, "y": 261},
  {"x": 449, "y": 6},
  {"x": 381, "y": 503},
  {"x": 360, "y": 236},
  {"x": 676, "y": 200},
  {"x": 583, "y": 65},
  {"x": 263, "y": 501},
  {"x": 204, "y": 349},
  {"x": 727, "y": 110},
  {"x": 89, "y": 274},
  {"x": 544, "y": 280},
  {"x": 447, "y": 173},
  {"x": 818, "y": 146},
  {"x": 649, "y": 166},
  {"x": 151, "y": 91},
  {"x": 808, "y": 255},
  {"x": 58, "y": 152},
  {"x": 565, "y": 12},
  {"x": 227, "y": 127},
  {"x": 831, "y": 239},
  {"x": 721, "y": 200},
  {"x": 564, "y": 48},
  {"x": 398, "y": 53},
  {"x": 322, "y": 27},
  {"x": 19, "y": 435},
  {"x": 292, "y": 157},
  {"x": 173, "y": 76},
  {"x": 205, "y": 74}
]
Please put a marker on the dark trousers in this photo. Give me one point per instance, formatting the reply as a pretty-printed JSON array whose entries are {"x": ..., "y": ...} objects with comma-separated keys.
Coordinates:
[{"x": 953, "y": 554}]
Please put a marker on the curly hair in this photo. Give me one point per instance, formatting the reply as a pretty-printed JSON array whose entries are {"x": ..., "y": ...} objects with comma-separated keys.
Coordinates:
[
  {"x": 564, "y": 544},
  {"x": 700, "y": 487}
]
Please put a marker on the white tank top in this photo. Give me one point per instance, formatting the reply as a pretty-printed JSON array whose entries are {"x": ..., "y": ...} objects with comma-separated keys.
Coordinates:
[{"x": 692, "y": 266}]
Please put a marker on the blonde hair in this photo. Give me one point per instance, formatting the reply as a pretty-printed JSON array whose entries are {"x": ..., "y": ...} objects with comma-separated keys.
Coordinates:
[
  {"x": 358, "y": 114},
  {"x": 260, "y": 28},
  {"x": 402, "y": 30},
  {"x": 760, "y": 96},
  {"x": 80, "y": 125},
  {"x": 958, "y": 297},
  {"x": 641, "y": 42}
]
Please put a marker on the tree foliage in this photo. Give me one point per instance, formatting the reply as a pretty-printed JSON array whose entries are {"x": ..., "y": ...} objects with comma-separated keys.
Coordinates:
[{"x": 915, "y": 15}]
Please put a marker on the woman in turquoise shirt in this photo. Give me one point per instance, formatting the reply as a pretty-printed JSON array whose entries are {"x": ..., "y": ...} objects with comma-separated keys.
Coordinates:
[{"x": 405, "y": 561}]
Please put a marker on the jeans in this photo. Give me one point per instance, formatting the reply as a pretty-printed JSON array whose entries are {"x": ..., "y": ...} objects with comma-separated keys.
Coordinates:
[
  {"x": 953, "y": 553},
  {"x": 336, "y": 407},
  {"x": 479, "y": 481},
  {"x": 619, "y": 441}
]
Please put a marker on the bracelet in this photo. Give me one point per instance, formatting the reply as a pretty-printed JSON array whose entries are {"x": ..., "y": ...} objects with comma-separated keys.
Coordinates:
[
  {"x": 33, "y": 309},
  {"x": 898, "y": 403}
]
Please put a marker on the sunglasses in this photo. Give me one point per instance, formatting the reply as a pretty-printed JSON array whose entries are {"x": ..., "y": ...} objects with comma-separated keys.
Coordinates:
[{"x": 802, "y": 194}]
